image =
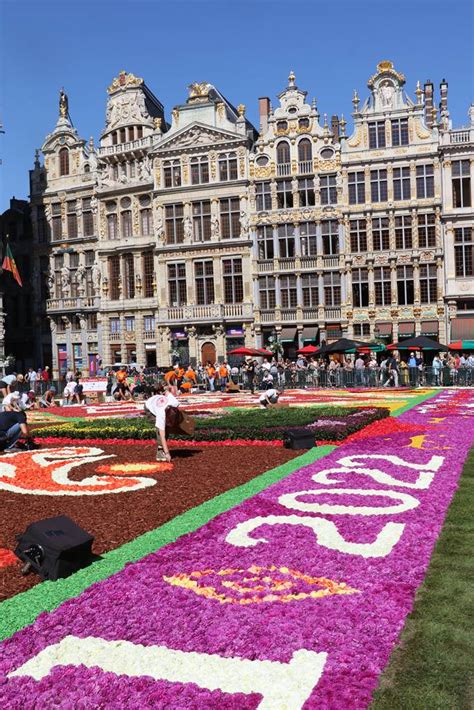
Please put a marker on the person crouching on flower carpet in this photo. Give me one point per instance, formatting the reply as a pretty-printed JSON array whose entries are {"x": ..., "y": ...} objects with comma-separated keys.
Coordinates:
[{"x": 163, "y": 405}]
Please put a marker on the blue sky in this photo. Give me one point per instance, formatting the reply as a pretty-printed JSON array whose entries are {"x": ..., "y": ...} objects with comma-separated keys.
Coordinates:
[{"x": 245, "y": 48}]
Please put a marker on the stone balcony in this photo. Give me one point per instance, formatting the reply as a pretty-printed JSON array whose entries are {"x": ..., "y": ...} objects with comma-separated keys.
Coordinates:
[
  {"x": 138, "y": 148},
  {"x": 304, "y": 315},
  {"x": 302, "y": 263},
  {"x": 212, "y": 312},
  {"x": 73, "y": 304}
]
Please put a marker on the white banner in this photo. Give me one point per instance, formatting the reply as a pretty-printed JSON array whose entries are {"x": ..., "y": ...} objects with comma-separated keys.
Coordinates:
[{"x": 94, "y": 384}]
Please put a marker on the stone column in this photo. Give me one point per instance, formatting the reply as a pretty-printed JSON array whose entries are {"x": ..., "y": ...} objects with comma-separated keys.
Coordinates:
[
  {"x": 393, "y": 279},
  {"x": 370, "y": 269},
  {"x": 139, "y": 344},
  {"x": 54, "y": 348}
]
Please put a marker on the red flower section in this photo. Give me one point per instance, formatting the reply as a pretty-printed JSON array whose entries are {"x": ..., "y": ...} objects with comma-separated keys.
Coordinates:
[
  {"x": 7, "y": 557},
  {"x": 387, "y": 426}
]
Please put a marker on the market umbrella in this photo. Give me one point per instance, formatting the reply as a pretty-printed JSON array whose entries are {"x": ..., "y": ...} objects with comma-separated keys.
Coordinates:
[
  {"x": 308, "y": 350},
  {"x": 462, "y": 345},
  {"x": 263, "y": 352},
  {"x": 421, "y": 342},
  {"x": 370, "y": 348},
  {"x": 344, "y": 345},
  {"x": 243, "y": 351}
]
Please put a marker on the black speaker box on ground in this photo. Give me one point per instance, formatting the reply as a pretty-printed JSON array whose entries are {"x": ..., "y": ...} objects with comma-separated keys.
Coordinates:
[
  {"x": 299, "y": 439},
  {"x": 55, "y": 547}
]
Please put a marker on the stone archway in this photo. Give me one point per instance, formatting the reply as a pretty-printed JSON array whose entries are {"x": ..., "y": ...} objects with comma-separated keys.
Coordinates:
[{"x": 208, "y": 353}]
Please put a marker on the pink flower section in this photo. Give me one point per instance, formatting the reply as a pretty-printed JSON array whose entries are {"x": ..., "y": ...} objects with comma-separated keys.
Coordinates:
[{"x": 367, "y": 516}]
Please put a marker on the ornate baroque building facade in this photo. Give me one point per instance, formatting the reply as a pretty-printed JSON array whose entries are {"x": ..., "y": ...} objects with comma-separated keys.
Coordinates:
[{"x": 198, "y": 235}]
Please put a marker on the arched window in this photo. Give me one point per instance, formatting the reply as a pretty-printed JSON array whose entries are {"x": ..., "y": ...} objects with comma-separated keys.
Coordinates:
[
  {"x": 64, "y": 161},
  {"x": 283, "y": 152},
  {"x": 304, "y": 150}
]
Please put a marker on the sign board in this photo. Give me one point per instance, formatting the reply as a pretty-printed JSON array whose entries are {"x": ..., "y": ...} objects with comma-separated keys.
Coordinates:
[{"x": 94, "y": 384}]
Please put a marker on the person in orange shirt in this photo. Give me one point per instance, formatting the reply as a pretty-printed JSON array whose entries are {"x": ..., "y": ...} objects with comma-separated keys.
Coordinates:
[
  {"x": 223, "y": 376},
  {"x": 189, "y": 380},
  {"x": 211, "y": 376},
  {"x": 123, "y": 390},
  {"x": 172, "y": 381}
]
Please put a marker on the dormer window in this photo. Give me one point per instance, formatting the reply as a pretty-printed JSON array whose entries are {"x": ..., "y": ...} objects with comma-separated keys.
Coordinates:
[
  {"x": 282, "y": 125},
  {"x": 64, "y": 161},
  {"x": 199, "y": 170},
  {"x": 303, "y": 123},
  {"x": 292, "y": 110},
  {"x": 123, "y": 136}
]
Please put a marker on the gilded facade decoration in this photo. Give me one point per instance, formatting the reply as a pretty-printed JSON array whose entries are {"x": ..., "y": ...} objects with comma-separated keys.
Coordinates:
[{"x": 124, "y": 80}]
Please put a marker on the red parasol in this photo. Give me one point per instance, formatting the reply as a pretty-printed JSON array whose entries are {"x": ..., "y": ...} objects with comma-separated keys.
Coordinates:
[{"x": 308, "y": 350}]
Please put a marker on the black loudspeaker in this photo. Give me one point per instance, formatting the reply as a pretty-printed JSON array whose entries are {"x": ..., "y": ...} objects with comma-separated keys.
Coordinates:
[
  {"x": 54, "y": 548},
  {"x": 299, "y": 439}
]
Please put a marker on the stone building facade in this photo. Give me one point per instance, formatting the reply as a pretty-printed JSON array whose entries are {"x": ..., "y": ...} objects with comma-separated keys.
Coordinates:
[{"x": 191, "y": 237}]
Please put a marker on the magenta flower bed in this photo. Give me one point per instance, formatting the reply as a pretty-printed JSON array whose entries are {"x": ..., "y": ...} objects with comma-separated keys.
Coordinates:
[{"x": 295, "y": 598}]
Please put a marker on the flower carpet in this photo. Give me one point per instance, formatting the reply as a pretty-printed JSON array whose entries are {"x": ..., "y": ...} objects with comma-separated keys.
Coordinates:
[
  {"x": 392, "y": 399},
  {"x": 85, "y": 481},
  {"x": 293, "y": 598}
]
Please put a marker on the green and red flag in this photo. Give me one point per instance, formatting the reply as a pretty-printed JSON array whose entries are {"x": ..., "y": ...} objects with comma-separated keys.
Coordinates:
[{"x": 10, "y": 265}]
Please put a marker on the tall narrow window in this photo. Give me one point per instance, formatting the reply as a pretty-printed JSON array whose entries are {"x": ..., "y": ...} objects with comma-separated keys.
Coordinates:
[
  {"x": 332, "y": 288},
  {"x": 428, "y": 283},
  {"x": 112, "y": 226},
  {"x": 174, "y": 224},
  {"x": 265, "y": 242},
  {"x": 284, "y": 194},
  {"x": 305, "y": 156},
  {"x": 57, "y": 221},
  {"x": 426, "y": 230},
  {"x": 330, "y": 231},
  {"x": 380, "y": 234},
  {"x": 177, "y": 284},
  {"x": 233, "y": 283},
  {"x": 230, "y": 217},
  {"x": 401, "y": 183},
  {"x": 87, "y": 217},
  {"x": 377, "y": 134},
  {"x": 283, "y": 156},
  {"x": 464, "y": 251},
  {"x": 263, "y": 196},
  {"x": 358, "y": 235},
  {"x": 228, "y": 166},
  {"x": 400, "y": 131},
  {"x": 146, "y": 226},
  {"x": 148, "y": 274},
  {"x": 64, "y": 161},
  {"x": 403, "y": 235},
  {"x": 73, "y": 266},
  {"x": 114, "y": 277},
  {"x": 461, "y": 172},
  {"x": 310, "y": 288},
  {"x": 71, "y": 219},
  {"x": 204, "y": 279},
  {"x": 288, "y": 292},
  {"x": 378, "y": 185},
  {"x": 306, "y": 192},
  {"x": 266, "y": 287},
  {"x": 360, "y": 288},
  {"x": 328, "y": 189},
  {"x": 202, "y": 220},
  {"x": 199, "y": 170},
  {"x": 126, "y": 223},
  {"x": 129, "y": 281},
  {"x": 405, "y": 285},
  {"x": 286, "y": 240},
  {"x": 356, "y": 183},
  {"x": 308, "y": 239},
  {"x": 424, "y": 181},
  {"x": 383, "y": 289}
]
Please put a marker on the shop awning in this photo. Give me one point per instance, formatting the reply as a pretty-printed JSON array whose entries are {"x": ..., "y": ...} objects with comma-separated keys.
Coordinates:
[
  {"x": 383, "y": 330},
  {"x": 309, "y": 334},
  {"x": 462, "y": 328},
  {"x": 287, "y": 335},
  {"x": 430, "y": 328},
  {"x": 407, "y": 329}
]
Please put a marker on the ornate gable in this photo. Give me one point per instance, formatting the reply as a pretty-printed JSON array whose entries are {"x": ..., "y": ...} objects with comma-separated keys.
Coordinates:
[{"x": 199, "y": 137}]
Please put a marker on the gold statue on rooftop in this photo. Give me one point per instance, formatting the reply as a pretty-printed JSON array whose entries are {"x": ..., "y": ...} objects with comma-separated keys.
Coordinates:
[{"x": 63, "y": 104}]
